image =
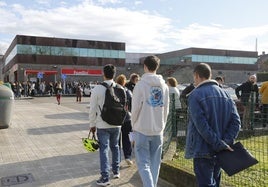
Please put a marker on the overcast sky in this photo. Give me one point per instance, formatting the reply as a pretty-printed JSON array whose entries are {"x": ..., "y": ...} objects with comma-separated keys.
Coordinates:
[{"x": 144, "y": 25}]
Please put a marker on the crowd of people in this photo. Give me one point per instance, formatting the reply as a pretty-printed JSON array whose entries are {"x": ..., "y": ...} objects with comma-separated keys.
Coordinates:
[
  {"x": 213, "y": 121},
  {"x": 213, "y": 118},
  {"x": 36, "y": 88}
]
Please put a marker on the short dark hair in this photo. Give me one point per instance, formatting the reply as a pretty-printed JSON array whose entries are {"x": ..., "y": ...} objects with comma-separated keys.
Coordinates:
[
  {"x": 109, "y": 71},
  {"x": 203, "y": 70},
  {"x": 219, "y": 78},
  {"x": 152, "y": 62},
  {"x": 133, "y": 76}
]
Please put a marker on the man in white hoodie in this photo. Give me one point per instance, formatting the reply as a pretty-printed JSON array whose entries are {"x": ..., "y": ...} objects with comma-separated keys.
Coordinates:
[{"x": 150, "y": 106}]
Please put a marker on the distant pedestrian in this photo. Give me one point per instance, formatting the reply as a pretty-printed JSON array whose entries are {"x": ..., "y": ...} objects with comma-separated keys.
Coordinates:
[
  {"x": 51, "y": 88},
  {"x": 58, "y": 92},
  {"x": 220, "y": 80},
  {"x": 79, "y": 93},
  {"x": 134, "y": 78},
  {"x": 248, "y": 94},
  {"x": 150, "y": 107},
  {"x": 172, "y": 85},
  {"x": 264, "y": 101},
  {"x": 184, "y": 96}
]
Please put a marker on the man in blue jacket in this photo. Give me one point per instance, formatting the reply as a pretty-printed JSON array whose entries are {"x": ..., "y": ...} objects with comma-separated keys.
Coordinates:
[{"x": 214, "y": 124}]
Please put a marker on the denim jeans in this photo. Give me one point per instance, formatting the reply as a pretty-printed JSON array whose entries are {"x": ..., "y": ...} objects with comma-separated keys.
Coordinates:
[
  {"x": 207, "y": 172},
  {"x": 148, "y": 151},
  {"x": 109, "y": 138}
]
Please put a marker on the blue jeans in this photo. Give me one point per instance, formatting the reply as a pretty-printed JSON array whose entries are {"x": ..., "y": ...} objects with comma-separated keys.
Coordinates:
[
  {"x": 148, "y": 151},
  {"x": 109, "y": 138},
  {"x": 207, "y": 172}
]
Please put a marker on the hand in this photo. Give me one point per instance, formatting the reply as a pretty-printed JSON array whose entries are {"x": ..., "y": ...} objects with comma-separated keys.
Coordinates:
[{"x": 93, "y": 129}]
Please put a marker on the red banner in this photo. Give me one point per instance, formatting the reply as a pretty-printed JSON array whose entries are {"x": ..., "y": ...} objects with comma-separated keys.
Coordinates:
[{"x": 91, "y": 72}]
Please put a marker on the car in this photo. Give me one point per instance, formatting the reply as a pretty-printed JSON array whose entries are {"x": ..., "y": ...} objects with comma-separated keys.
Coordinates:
[{"x": 88, "y": 89}]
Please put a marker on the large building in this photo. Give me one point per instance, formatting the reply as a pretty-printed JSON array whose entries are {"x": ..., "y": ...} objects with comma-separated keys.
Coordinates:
[
  {"x": 51, "y": 59},
  {"x": 232, "y": 65},
  {"x": 31, "y": 58}
]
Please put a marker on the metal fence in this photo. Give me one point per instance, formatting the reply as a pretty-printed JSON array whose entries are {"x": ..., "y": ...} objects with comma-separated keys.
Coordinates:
[{"x": 255, "y": 140}]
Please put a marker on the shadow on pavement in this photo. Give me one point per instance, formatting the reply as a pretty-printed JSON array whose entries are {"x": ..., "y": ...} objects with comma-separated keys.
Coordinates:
[
  {"x": 75, "y": 115},
  {"x": 58, "y": 129}
]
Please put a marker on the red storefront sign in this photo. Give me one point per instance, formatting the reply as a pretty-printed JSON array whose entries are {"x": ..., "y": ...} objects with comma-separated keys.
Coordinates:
[
  {"x": 90, "y": 72},
  {"x": 46, "y": 72}
]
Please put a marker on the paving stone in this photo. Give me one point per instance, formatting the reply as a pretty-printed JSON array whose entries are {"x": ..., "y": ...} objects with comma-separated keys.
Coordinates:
[{"x": 44, "y": 139}]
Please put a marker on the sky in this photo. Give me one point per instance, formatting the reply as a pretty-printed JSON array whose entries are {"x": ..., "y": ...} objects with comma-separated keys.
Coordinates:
[{"x": 145, "y": 26}]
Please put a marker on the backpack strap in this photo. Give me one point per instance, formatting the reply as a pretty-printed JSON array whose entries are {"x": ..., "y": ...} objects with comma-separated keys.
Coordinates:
[
  {"x": 125, "y": 94},
  {"x": 106, "y": 85},
  {"x": 118, "y": 86}
]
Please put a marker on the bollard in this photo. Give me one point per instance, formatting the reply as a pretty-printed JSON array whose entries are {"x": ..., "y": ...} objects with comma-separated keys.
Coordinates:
[{"x": 6, "y": 106}]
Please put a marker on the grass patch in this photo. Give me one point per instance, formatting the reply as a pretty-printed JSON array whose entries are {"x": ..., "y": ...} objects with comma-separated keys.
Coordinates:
[{"x": 255, "y": 176}]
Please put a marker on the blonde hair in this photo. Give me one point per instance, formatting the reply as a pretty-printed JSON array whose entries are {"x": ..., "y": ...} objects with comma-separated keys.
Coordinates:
[
  {"x": 121, "y": 79},
  {"x": 172, "y": 81}
]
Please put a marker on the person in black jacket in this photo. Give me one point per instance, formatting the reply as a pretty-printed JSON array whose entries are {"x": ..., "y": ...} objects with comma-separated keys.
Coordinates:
[
  {"x": 248, "y": 94},
  {"x": 219, "y": 79},
  {"x": 184, "y": 95},
  {"x": 134, "y": 78},
  {"x": 126, "y": 127}
]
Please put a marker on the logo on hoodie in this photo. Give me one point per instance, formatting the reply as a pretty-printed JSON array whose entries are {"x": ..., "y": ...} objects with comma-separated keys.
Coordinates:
[{"x": 156, "y": 97}]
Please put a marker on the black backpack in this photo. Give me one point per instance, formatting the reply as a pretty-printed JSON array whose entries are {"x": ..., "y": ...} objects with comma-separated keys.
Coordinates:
[{"x": 114, "y": 109}]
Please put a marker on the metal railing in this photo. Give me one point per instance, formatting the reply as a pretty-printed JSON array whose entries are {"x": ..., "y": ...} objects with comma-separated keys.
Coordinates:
[{"x": 255, "y": 140}]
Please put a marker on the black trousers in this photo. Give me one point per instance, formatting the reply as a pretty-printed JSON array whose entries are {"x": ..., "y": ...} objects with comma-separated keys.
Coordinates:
[
  {"x": 264, "y": 114},
  {"x": 127, "y": 147}
]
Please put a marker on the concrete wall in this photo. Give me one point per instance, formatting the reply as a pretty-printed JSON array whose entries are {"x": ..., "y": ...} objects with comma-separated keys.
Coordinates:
[{"x": 176, "y": 176}]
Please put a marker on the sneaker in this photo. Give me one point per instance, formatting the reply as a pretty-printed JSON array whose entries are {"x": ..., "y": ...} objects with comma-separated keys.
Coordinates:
[
  {"x": 103, "y": 182},
  {"x": 116, "y": 175},
  {"x": 129, "y": 162}
]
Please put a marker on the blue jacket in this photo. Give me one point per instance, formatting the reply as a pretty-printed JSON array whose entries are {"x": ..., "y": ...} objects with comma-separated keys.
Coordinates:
[{"x": 213, "y": 121}]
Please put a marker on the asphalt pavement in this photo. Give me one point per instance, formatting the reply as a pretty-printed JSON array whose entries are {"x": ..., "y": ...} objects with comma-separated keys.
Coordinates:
[{"x": 43, "y": 147}]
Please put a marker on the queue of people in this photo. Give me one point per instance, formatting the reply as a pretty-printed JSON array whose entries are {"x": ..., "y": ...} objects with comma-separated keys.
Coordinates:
[{"x": 213, "y": 119}]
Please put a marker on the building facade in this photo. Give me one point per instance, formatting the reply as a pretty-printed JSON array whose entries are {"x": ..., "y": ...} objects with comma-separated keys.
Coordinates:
[
  {"x": 232, "y": 65},
  {"x": 31, "y": 58}
]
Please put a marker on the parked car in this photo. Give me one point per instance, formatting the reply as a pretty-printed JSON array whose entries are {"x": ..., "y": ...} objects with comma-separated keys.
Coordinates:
[{"x": 88, "y": 89}]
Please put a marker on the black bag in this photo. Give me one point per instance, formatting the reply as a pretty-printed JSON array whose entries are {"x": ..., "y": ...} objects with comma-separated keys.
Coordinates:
[
  {"x": 114, "y": 109},
  {"x": 235, "y": 161}
]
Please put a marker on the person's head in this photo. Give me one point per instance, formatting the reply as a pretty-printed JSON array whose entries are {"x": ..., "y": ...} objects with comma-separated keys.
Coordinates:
[
  {"x": 171, "y": 81},
  {"x": 134, "y": 78},
  {"x": 202, "y": 72},
  {"x": 121, "y": 79},
  {"x": 151, "y": 63},
  {"x": 109, "y": 71},
  {"x": 219, "y": 79},
  {"x": 252, "y": 79}
]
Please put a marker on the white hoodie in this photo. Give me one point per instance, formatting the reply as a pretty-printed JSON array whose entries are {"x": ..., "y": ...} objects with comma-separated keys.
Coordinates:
[{"x": 150, "y": 105}]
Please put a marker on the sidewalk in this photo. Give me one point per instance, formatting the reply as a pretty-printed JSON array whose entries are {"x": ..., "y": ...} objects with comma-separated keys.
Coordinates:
[{"x": 42, "y": 147}]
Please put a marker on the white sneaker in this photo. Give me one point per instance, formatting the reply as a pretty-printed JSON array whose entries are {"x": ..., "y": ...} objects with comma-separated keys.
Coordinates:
[
  {"x": 129, "y": 162},
  {"x": 117, "y": 176}
]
